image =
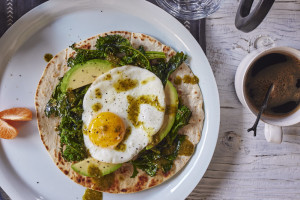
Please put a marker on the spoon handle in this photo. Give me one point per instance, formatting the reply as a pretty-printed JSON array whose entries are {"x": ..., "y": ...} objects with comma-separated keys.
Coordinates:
[{"x": 262, "y": 108}]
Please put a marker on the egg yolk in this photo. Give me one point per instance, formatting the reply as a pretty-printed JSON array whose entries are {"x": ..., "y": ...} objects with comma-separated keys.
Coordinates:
[{"x": 106, "y": 130}]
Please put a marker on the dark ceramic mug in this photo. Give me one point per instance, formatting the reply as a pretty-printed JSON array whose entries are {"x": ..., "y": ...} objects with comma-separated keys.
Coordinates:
[{"x": 246, "y": 21}]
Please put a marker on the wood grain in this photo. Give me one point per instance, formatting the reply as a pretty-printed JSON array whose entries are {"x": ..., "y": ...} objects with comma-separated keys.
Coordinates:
[{"x": 243, "y": 166}]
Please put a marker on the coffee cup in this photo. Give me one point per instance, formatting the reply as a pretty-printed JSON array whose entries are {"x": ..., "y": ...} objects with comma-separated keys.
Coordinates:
[{"x": 256, "y": 72}]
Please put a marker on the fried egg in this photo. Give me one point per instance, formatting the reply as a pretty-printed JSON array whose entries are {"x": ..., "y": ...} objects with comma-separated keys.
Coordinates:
[{"x": 123, "y": 109}]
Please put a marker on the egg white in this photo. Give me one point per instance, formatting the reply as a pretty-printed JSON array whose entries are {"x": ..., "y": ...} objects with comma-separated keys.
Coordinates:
[{"x": 116, "y": 102}]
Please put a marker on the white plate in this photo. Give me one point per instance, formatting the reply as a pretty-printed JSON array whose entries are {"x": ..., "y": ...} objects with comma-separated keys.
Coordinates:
[{"x": 27, "y": 171}]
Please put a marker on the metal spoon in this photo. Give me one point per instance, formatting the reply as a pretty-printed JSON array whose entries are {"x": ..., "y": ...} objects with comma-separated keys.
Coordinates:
[{"x": 262, "y": 108}]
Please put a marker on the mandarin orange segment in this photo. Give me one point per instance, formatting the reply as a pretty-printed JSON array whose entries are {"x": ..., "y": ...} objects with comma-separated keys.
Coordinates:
[
  {"x": 16, "y": 114},
  {"x": 7, "y": 131}
]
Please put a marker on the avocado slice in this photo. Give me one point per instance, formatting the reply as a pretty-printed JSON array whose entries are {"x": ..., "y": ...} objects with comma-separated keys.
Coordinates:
[
  {"x": 94, "y": 168},
  {"x": 84, "y": 73},
  {"x": 169, "y": 118}
]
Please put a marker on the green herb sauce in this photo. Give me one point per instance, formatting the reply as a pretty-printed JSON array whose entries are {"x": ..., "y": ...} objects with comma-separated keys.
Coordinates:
[
  {"x": 96, "y": 107},
  {"x": 147, "y": 80},
  {"x": 186, "y": 79},
  {"x": 134, "y": 106},
  {"x": 149, "y": 131},
  {"x": 190, "y": 79},
  {"x": 107, "y": 77},
  {"x": 92, "y": 195},
  {"x": 125, "y": 84},
  {"x": 186, "y": 148},
  {"x": 98, "y": 93},
  {"x": 94, "y": 171},
  {"x": 121, "y": 146},
  {"x": 104, "y": 182},
  {"x": 48, "y": 57},
  {"x": 177, "y": 80},
  {"x": 171, "y": 110}
]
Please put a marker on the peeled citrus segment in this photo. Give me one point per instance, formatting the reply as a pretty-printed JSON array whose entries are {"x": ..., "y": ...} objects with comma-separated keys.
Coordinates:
[
  {"x": 16, "y": 114},
  {"x": 7, "y": 131}
]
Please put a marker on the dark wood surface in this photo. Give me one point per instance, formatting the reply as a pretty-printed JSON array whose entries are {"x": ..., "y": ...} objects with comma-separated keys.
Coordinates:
[{"x": 12, "y": 10}]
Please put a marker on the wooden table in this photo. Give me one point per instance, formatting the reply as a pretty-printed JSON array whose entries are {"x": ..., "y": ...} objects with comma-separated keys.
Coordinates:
[{"x": 243, "y": 166}]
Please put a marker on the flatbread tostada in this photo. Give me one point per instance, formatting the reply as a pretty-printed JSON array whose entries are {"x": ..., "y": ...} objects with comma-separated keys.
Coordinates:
[{"x": 154, "y": 161}]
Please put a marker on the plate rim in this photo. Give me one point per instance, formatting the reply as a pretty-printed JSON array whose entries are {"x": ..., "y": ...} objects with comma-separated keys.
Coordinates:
[{"x": 12, "y": 31}]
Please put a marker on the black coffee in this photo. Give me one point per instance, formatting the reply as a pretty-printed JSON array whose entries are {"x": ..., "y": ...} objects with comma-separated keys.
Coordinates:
[{"x": 284, "y": 72}]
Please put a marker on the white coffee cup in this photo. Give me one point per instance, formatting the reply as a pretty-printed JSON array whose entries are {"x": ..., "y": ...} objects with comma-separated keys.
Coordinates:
[{"x": 273, "y": 125}]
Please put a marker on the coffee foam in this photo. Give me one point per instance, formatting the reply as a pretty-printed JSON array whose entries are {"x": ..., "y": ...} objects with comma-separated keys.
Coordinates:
[{"x": 285, "y": 77}]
